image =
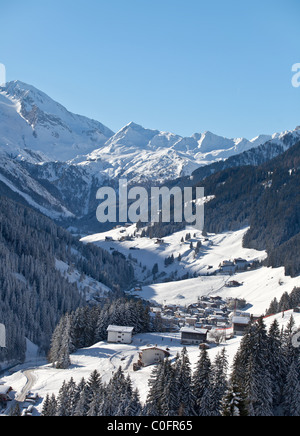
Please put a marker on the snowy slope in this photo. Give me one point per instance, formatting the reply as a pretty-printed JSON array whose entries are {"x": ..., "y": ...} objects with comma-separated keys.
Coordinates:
[
  {"x": 259, "y": 288},
  {"x": 18, "y": 180}
]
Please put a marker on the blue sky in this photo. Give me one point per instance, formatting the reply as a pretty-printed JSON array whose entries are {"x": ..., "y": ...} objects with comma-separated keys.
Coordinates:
[{"x": 183, "y": 66}]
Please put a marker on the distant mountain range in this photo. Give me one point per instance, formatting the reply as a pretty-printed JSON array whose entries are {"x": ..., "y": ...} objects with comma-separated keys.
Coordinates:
[{"x": 55, "y": 161}]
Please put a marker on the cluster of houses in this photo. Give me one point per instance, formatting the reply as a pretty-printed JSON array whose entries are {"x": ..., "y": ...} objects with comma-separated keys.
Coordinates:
[
  {"x": 198, "y": 324},
  {"x": 208, "y": 313},
  {"x": 233, "y": 266}
]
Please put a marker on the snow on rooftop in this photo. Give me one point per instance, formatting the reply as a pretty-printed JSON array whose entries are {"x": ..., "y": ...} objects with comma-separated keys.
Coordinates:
[
  {"x": 240, "y": 320},
  {"x": 195, "y": 331},
  {"x": 122, "y": 329}
]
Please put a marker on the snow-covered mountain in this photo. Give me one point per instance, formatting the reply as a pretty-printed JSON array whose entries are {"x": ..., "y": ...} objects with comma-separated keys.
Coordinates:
[
  {"x": 141, "y": 154},
  {"x": 56, "y": 160},
  {"x": 29, "y": 119},
  {"x": 35, "y": 128}
]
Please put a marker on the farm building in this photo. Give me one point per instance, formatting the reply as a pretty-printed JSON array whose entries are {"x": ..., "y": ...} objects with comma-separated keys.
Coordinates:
[
  {"x": 190, "y": 336},
  {"x": 119, "y": 334}
]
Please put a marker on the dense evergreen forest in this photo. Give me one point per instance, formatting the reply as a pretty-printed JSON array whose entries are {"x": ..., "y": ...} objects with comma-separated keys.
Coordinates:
[
  {"x": 264, "y": 381},
  {"x": 33, "y": 293}
]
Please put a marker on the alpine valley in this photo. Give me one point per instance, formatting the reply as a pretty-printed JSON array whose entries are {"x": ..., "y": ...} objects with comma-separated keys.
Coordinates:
[{"x": 65, "y": 278}]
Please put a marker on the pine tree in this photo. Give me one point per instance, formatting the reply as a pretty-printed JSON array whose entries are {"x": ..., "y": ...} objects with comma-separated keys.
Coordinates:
[
  {"x": 257, "y": 376},
  {"x": 63, "y": 401},
  {"x": 201, "y": 380},
  {"x": 292, "y": 391},
  {"x": 218, "y": 382},
  {"x": 81, "y": 408},
  {"x": 156, "y": 388},
  {"x": 170, "y": 402},
  {"x": 16, "y": 410},
  {"x": 234, "y": 402},
  {"x": 134, "y": 407},
  {"x": 186, "y": 397},
  {"x": 276, "y": 363},
  {"x": 46, "y": 404}
]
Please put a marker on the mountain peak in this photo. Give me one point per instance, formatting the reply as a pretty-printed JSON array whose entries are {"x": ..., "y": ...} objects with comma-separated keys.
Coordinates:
[{"x": 39, "y": 123}]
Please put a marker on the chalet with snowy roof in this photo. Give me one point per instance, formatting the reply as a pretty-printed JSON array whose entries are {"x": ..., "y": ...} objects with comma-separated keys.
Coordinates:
[
  {"x": 240, "y": 324},
  {"x": 241, "y": 264},
  {"x": 152, "y": 356},
  {"x": 119, "y": 334},
  {"x": 191, "y": 336},
  {"x": 227, "y": 267}
]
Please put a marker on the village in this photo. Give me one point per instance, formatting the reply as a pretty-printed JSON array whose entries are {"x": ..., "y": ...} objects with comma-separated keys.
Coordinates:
[{"x": 206, "y": 323}]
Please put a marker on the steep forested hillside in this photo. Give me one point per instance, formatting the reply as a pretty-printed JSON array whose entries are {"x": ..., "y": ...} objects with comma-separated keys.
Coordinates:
[
  {"x": 34, "y": 294},
  {"x": 265, "y": 198}
]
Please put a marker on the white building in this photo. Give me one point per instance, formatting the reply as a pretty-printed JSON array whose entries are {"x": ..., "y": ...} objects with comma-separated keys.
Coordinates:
[
  {"x": 152, "y": 356},
  {"x": 119, "y": 335}
]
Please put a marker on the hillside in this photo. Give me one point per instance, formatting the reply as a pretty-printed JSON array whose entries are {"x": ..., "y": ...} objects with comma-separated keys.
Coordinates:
[{"x": 265, "y": 198}]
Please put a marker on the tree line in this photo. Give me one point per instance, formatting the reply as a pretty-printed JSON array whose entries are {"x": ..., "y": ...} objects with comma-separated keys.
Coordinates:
[
  {"x": 286, "y": 302},
  {"x": 88, "y": 325}
]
